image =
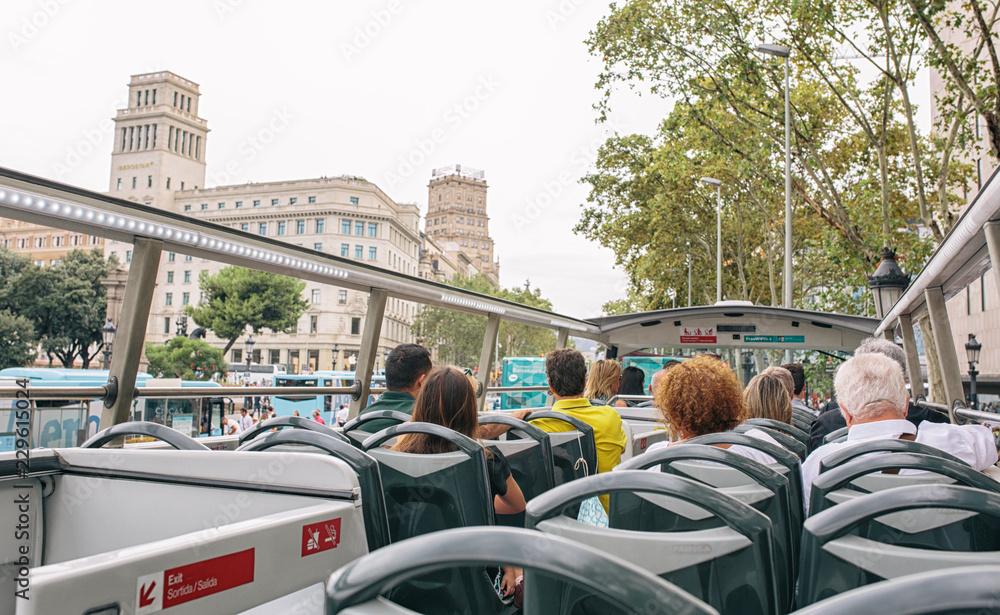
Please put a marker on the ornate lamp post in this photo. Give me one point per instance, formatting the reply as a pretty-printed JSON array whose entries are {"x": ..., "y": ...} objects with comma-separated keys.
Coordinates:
[
  {"x": 249, "y": 346},
  {"x": 887, "y": 283},
  {"x": 336, "y": 356},
  {"x": 108, "y": 332},
  {"x": 972, "y": 350}
]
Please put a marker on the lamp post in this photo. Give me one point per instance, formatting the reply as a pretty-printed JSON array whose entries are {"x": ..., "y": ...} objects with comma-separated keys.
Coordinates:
[
  {"x": 887, "y": 283},
  {"x": 780, "y": 51},
  {"x": 249, "y": 346},
  {"x": 336, "y": 355},
  {"x": 182, "y": 326},
  {"x": 108, "y": 333},
  {"x": 972, "y": 349},
  {"x": 718, "y": 232}
]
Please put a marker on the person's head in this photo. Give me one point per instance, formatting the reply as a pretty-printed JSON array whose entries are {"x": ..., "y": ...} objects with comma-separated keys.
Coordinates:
[
  {"x": 315, "y": 414},
  {"x": 243, "y": 411},
  {"x": 784, "y": 376},
  {"x": 700, "y": 396},
  {"x": 798, "y": 377},
  {"x": 602, "y": 382},
  {"x": 880, "y": 345},
  {"x": 567, "y": 372},
  {"x": 406, "y": 367},
  {"x": 633, "y": 381},
  {"x": 447, "y": 398},
  {"x": 225, "y": 420},
  {"x": 295, "y": 413},
  {"x": 869, "y": 388},
  {"x": 658, "y": 376},
  {"x": 766, "y": 398}
]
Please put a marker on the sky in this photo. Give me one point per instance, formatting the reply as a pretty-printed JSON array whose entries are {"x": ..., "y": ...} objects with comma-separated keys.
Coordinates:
[{"x": 384, "y": 89}]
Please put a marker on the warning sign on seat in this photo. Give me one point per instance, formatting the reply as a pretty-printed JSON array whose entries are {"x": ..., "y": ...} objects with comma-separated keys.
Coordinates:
[
  {"x": 319, "y": 537},
  {"x": 162, "y": 590}
]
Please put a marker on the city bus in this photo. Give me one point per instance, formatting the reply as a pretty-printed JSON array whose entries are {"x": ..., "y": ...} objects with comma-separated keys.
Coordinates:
[{"x": 287, "y": 405}]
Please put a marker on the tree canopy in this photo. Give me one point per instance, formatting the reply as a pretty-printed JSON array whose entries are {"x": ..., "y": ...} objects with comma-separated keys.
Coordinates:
[
  {"x": 18, "y": 342},
  {"x": 185, "y": 358},
  {"x": 237, "y": 298}
]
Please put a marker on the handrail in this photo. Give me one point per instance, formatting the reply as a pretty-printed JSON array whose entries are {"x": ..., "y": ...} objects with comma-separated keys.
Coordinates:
[
  {"x": 524, "y": 389},
  {"x": 101, "y": 392}
]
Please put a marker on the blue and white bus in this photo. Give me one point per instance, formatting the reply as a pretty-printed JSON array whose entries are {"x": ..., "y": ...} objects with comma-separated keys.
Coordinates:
[{"x": 286, "y": 405}]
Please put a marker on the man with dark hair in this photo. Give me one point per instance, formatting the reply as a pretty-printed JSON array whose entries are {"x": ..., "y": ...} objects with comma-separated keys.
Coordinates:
[
  {"x": 799, "y": 391},
  {"x": 567, "y": 373},
  {"x": 405, "y": 369}
]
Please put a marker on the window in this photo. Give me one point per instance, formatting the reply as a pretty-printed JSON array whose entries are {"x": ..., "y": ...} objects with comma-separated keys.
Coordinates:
[
  {"x": 372, "y": 229},
  {"x": 187, "y": 208},
  {"x": 119, "y": 183},
  {"x": 458, "y": 197},
  {"x": 185, "y": 298},
  {"x": 274, "y": 356},
  {"x": 342, "y": 297},
  {"x": 170, "y": 277},
  {"x": 168, "y": 183},
  {"x": 166, "y": 324},
  {"x": 318, "y": 247},
  {"x": 315, "y": 295},
  {"x": 444, "y": 219},
  {"x": 262, "y": 228},
  {"x": 300, "y": 227},
  {"x": 239, "y": 204},
  {"x": 359, "y": 251},
  {"x": 293, "y": 201},
  {"x": 149, "y": 181},
  {"x": 187, "y": 277},
  {"x": 469, "y": 198},
  {"x": 345, "y": 250},
  {"x": 312, "y": 199},
  {"x": 187, "y": 258},
  {"x": 256, "y": 203},
  {"x": 359, "y": 228},
  {"x": 39, "y": 242},
  {"x": 281, "y": 228},
  {"x": 204, "y": 206},
  {"x": 237, "y": 355},
  {"x": 133, "y": 182},
  {"x": 372, "y": 253},
  {"x": 354, "y": 200},
  {"x": 128, "y": 256},
  {"x": 355, "y": 326},
  {"x": 222, "y": 205},
  {"x": 320, "y": 226},
  {"x": 245, "y": 227},
  {"x": 171, "y": 256},
  {"x": 169, "y": 299},
  {"x": 275, "y": 202},
  {"x": 345, "y": 227}
]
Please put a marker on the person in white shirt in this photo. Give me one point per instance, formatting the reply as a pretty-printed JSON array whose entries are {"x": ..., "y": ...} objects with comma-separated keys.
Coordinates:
[
  {"x": 873, "y": 399},
  {"x": 342, "y": 414},
  {"x": 230, "y": 427},
  {"x": 246, "y": 421}
]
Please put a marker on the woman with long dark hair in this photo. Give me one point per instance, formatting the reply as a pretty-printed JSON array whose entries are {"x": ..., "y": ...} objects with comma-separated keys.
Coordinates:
[{"x": 633, "y": 383}]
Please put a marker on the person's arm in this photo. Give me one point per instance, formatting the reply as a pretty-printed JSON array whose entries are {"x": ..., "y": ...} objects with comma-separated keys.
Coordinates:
[
  {"x": 511, "y": 502},
  {"x": 621, "y": 404},
  {"x": 490, "y": 432}
]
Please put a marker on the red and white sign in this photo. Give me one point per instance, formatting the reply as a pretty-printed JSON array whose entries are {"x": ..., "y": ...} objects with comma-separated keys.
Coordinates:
[
  {"x": 319, "y": 537},
  {"x": 162, "y": 590},
  {"x": 698, "y": 335}
]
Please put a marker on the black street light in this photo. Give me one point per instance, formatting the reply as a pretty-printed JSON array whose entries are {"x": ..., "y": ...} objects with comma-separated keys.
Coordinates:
[
  {"x": 336, "y": 355},
  {"x": 108, "y": 332},
  {"x": 182, "y": 326},
  {"x": 972, "y": 350},
  {"x": 249, "y": 346},
  {"x": 887, "y": 283}
]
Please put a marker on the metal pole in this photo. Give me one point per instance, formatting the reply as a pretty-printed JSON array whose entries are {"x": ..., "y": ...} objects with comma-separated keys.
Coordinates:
[
  {"x": 992, "y": 230},
  {"x": 945, "y": 343},
  {"x": 487, "y": 356},
  {"x": 788, "y": 194},
  {"x": 912, "y": 357},
  {"x": 972, "y": 386},
  {"x": 562, "y": 337},
  {"x": 689, "y": 273},
  {"x": 718, "y": 247},
  {"x": 369, "y": 347}
]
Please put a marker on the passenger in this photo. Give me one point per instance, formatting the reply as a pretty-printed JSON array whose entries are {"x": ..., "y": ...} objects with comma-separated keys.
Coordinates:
[
  {"x": 785, "y": 377},
  {"x": 831, "y": 419},
  {"x": 449, "y": 399},
  {"x": 703, "y": 396},
  {"x": 406, "y": 367},
  {"x": 658, "y": 376},
  {"x": 767, "y": 398},
  {"x": 799, "y": 391},
  {"x": 602, "y": 383},
  {"x": 873, "y": 399},
  {"x": 230, "y": 427},
  {"x": 567, "y": 374},
  {"x": 633, "y": 383}
]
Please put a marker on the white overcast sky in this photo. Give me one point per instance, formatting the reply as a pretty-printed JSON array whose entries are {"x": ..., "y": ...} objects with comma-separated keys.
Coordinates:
[{"x": 357, "y": 103}]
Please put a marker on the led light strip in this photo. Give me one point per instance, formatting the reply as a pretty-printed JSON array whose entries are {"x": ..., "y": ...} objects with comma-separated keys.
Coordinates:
[
  {"x": 479, "y": 305},
  {"x": 567, "y": 325},
  {"x": 50, "y": 207}
]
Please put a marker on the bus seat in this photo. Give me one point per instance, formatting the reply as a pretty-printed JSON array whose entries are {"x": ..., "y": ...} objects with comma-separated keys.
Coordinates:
[
  {"x": 640, "y": 441},
  {"x": 802, "y": 419},
  {"x": 967, "y": 590},
  {"x": 746, "y": 480},
  {"x": 729, "y": 566},
  {"x": 355, "y": 428},
  {"x": 865, "y": 474},
  {"x": 366, "y": 468},
  {"x": 782, "y": 438},
  {"x": 865, "y": 447},
  {"x": 529, "y": 455},
  {"x": 294, "y": 422},
  {"x": 837, "y": 435},
  {"x": 627, "y": 429},
  {"x": 871, "y": 538},
  {"x": 117, "y": 521},
  {"x": 785, "y": 428},
  {"x": 569, "y": 447},
  {"x": 172, "y": 437},
  {"x": 561, "y": 577}
]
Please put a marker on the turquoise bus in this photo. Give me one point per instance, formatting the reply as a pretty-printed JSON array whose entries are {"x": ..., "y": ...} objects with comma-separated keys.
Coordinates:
[
  {"x": 286, "y": 405},
  {"x": 523, "y": 372}
]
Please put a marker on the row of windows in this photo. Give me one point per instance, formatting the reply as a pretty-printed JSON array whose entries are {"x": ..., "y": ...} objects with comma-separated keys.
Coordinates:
[
  {"x": 256, "y": 203},
  {"x": 458, "y": 220},
  {"x": 458, "y": 197},
  {"x": 54, "y": 242},
  {"x": 139, "y": 97},
  {"x": 143, "y": 98},
  {"x": 319, "y": 225},
  {"x": 359, "y": 251},
  {"x": 187, "y": 277},
  {"x": 359, "y": 228},
  {"x": 172, "y": 256},
  {"x": 184, "y": 99},
  {"x": 138, "y": 137},
  {"x": 185, "y": 298}
]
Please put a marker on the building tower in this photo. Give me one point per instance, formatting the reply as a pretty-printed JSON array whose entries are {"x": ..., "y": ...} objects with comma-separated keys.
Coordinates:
[
  {"x": 160, "y": 142},
  {"x": 456, "y": 214}
]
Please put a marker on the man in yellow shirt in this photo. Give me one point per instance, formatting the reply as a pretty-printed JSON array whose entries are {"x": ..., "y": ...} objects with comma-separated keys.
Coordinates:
[{"x": 567, "y": 373}]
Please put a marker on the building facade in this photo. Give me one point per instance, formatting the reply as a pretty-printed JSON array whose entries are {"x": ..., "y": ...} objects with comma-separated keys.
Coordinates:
[{"x": 456, "y": 214}]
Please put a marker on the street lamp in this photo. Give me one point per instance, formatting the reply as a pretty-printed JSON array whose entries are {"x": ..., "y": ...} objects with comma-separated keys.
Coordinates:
[
  {"x": 718, "y": 232},
  {"x": 780, "y": 51},
  {"x": 336, "y": 355},
  {"x": 182, "y": 326},
  {"x": 972, "y": 349},
  {"x": 108, "y": 332},
  {"x": 249, "y": 346},
  {"x": 887, "y": 283}
]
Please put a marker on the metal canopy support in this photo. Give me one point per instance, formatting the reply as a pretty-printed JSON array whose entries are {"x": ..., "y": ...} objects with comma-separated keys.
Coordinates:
[
  {"x": 486, "y": 357},
  {"x": 369, "y": 347},
  {"x": 945, "y": 342},
  {"x": 131, "y": 333},
  {"x": 889, "y": 334},
  {"x": 992, "y": 230},
  {"x": 562, "y": 338},
  {"x": 912, "y": 357}
]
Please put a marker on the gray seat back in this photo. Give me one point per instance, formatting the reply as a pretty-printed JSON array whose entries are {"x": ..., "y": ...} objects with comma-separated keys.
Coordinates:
[
  {"x": 360, "y": 428},
  {"x": 529, "y": 454}
]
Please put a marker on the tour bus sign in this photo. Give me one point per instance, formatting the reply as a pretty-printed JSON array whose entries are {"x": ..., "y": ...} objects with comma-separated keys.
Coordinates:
[
  {"x": 774, "y": 339},
  {"x": 698, "y": 335}
]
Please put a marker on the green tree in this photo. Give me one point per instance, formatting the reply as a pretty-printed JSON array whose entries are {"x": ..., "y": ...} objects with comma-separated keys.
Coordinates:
[
  {"x": 18, "y": 342},
  {"x": 237, "y": 298},
  {"x": 185, "y": 358},
  {"x": 458, "y": 336}
]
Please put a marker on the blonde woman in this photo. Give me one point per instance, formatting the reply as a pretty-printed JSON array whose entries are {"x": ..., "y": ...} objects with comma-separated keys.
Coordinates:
[
  {"x": 767, "y": 398},
  {"x": 602, "y": 383}
]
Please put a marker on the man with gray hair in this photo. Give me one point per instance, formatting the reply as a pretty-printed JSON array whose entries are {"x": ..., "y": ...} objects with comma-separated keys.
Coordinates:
[
  {"x": 831, "y": 419},
  {"x": 873, "y": 399}
]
